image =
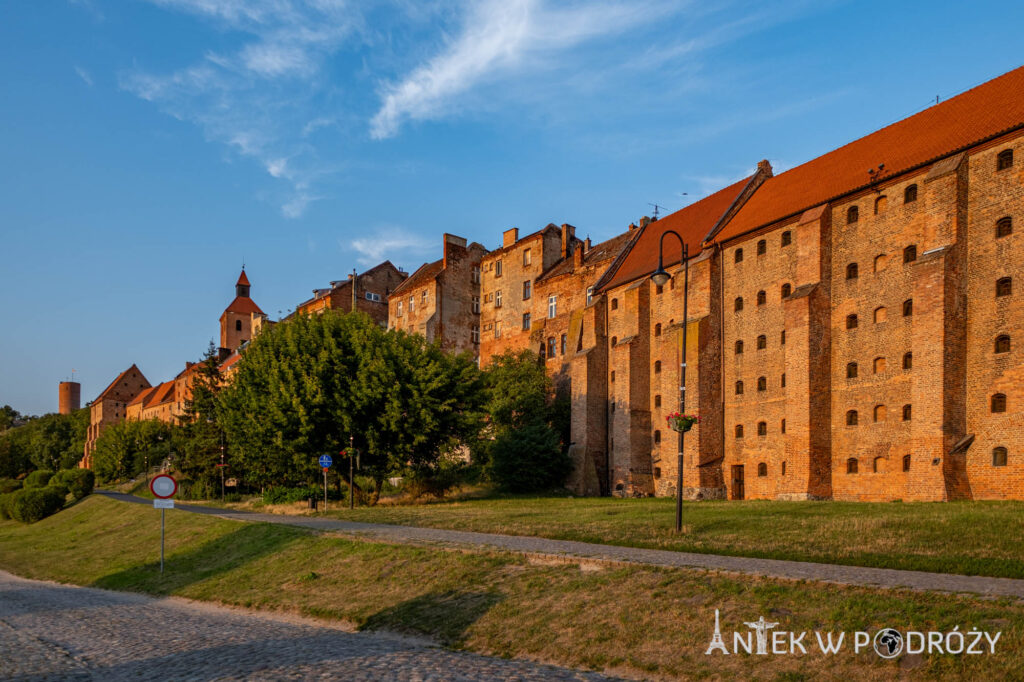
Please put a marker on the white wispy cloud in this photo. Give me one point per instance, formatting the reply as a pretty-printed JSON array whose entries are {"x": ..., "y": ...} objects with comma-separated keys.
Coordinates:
[
  {"x": 500, "y": 37},
  {"x": 389, "y": 242},
  {"x": 259, "y": 98},
  {"x": 84, "y": 75}
]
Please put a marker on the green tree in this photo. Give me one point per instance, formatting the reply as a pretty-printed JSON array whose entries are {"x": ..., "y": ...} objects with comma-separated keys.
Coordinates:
[
  {"x": 199, "y": 437},
  {"x": 524, "y": 452},
  {"x": 305, "y": 387},
  {"x": 8, "y": 417},
  {"x": 125, "y": 449}
]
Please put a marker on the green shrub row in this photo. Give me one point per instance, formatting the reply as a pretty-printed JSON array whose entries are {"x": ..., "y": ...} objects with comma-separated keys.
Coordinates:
[
  {"x": 38, "y": 479},
  {"x": 35, "y": 501},
  {"x": 286, "y": 495},
  {"x": 79, "y": 482},
  {"x": 9, "y": 485}
]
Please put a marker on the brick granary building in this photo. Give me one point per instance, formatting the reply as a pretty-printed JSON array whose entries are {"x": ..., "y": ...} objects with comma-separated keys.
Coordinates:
[{"x": 855, "y": 325}]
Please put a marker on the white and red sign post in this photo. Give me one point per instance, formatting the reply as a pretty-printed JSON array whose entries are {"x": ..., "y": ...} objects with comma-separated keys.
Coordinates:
[{"x": 164, "y": 488}]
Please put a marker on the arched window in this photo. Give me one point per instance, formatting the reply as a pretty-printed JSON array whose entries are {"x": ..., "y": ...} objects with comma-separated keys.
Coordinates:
[
  {"x": 880, "y": 204},
  {"x": 999, "y": 456},
  {"x": 906, "y": 462},
  {"x": 762, "y": 247},
  {"x": 762, "y": 342},
  {"x": 910, "y": 194},
  {"x": 657, "y": 329},
  {"x": 851, "y": 271},
  {"x": 879, "y": 413},
  {"x": 657, "y": 401},
  {"x": 739, "y": 388},
  {"x": 739, "y": 430},
  {"x": 908, "y": 361},
  {"x": 851, "y": 321},
  {"x": 907, "y": 413},
  {"x": 879, "y": 365},
  {"x": 762, "y": 469},
  {"x": 737, "y": 305},
  {"x": 1004, "y": 286},
  {"x": 880, "y": 314},
  {"x": 615, "y": 304},
  {"x": 762, "y": 384},
  {"x": 787, "y": 238},
  {"x": 739, "y": 347},
  {"x": 1004, "y": 227},
  {"x": 1004, "y": 159},
  {"x": 910, "y": 254},
  {"x": 782, "y": 429},
  {"x": 762, "y": 297},
  {"x": 851, "y": 466},
  {"x": 878, "y": 465},
  {"x": 999, "y": 402},
  {"x": 787, "y": 289},
  {"x": 908, "y": 307},
  {"x": 782, "y": 381},
  {"x": 1003, "y": 343},
  {"x": 657, "y": 437},
  {"x": 852, "y": 215},
  {"x": 657, "y": 367},
  {"x": 762, "y": 428},
  {"x": 851, "y": 370},
  {"x": 881, "y": 260},
  {"x": 851, "y": 417},
  {"x": 737, "y": 256}
]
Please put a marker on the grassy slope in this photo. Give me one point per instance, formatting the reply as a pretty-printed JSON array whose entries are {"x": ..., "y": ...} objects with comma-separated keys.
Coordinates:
[
  {"x": 647, "y": 620},
  {"x": 972, "y": 538}
]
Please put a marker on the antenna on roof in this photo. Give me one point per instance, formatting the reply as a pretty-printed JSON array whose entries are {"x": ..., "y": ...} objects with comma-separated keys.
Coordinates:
[{"x": 656, "y": 209}]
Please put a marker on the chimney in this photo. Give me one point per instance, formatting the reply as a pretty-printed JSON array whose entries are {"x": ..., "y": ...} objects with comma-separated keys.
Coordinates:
[
  {"x": 632, "y": 226},
  {"x": 453, "y": 245},
  {"x": 764, "y": 167},
  {"x": 586, "y": 244},
  {"x": 509, "y": 237},
  {"x": 568, "y": 234},
  {"x": 645, "y": 221},
  {"x": 577, "y": 257}
]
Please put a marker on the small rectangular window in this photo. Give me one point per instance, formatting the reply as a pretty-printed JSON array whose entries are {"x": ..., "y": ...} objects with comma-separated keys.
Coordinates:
[
  {"x": 552, "y": 306},
  {"x": 526, "y": 290}
]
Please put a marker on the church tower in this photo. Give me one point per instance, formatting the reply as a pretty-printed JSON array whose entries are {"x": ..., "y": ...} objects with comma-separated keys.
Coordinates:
[{"x": 236, "y": 322}]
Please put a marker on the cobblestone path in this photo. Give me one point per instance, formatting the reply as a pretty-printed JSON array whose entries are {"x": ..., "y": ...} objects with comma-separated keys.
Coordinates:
[
  {"x": 793, "y": 570},
  {"x": 54, "y": 632}
]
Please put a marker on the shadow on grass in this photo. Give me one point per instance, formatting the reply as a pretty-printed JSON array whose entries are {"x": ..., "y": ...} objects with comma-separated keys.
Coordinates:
[
  {"x": 183, "y": 568},
  {"x": 442, "y": 615}
]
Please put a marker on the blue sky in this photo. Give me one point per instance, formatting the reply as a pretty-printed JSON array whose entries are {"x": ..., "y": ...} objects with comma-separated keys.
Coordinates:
[{"x": 149, "y": 147}]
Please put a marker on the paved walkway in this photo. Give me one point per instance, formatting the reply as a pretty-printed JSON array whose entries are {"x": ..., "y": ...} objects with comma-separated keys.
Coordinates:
[
  {"x": 55, "y": 632},
  {"x": 775, "y": 568}
]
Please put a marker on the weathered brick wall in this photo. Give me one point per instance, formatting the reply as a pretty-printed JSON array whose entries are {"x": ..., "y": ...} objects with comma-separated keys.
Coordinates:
[
  {"x": 456, "y": 291},
  {"x": 993, "y": 195},
  {"x": 755, "y": 273}
]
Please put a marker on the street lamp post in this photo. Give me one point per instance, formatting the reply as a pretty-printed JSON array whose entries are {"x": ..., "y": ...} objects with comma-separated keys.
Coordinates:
[{"x": 660, "y": 277}]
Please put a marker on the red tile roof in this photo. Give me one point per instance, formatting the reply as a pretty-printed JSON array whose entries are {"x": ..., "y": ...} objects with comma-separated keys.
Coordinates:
[
  {"x": 423, "y": 274},
  {"x": 982, "y": 113},
  {"x": 229, "y": 361},
  {"x": 164, "y": 393},
  {"x": 242, "y": 279},
  {"x": 141, "y": 397},
  {"x": 243, "y": 305},
  {"x": 692, "y": 223}
]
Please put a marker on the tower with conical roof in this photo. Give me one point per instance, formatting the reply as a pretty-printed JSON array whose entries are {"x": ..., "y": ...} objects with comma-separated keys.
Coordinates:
[{"x": 236, "y": 321}]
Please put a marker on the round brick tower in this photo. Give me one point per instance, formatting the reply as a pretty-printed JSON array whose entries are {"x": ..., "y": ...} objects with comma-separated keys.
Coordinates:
[{"x": 70, "y": 396}]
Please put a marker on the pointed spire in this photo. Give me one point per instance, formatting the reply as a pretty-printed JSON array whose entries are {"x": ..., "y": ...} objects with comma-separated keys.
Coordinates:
[{"x": 242, "y": 279}]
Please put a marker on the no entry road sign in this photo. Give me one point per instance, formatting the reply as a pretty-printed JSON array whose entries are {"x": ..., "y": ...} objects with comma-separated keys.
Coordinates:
[
  {"x": 163, "y": 486},
  {"x": 325, "y": 461}
]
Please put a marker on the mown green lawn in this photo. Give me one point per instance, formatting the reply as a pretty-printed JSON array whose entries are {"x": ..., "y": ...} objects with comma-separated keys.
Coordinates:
[
  {"x": 971, "y": 538},
  {"x": 644, "y": 621}
]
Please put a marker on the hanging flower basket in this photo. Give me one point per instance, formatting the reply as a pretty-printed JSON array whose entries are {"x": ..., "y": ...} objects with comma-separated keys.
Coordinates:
[{"x": 682, "y": 422}]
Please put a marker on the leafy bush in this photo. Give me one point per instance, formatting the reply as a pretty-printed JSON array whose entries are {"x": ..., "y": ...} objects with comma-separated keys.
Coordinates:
[
  {"x": 33, "y": 504},
  {"x": 529, "y": 459},
  {"x": 38, "y": 479},
  {"x": 9, "y": 485},
  {"x": 437, "y": 481},
  {"x": 79, "y": 482},
  {"x": 287, "y": 495},
  {"x": 5, "y": 504}
]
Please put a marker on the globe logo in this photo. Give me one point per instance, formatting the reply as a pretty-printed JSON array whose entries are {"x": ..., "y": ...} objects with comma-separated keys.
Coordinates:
[{"x": 888, "y": 643}]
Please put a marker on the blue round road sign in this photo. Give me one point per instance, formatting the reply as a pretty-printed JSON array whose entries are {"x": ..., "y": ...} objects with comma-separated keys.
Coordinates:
[{"x": 325, "y": 461}]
